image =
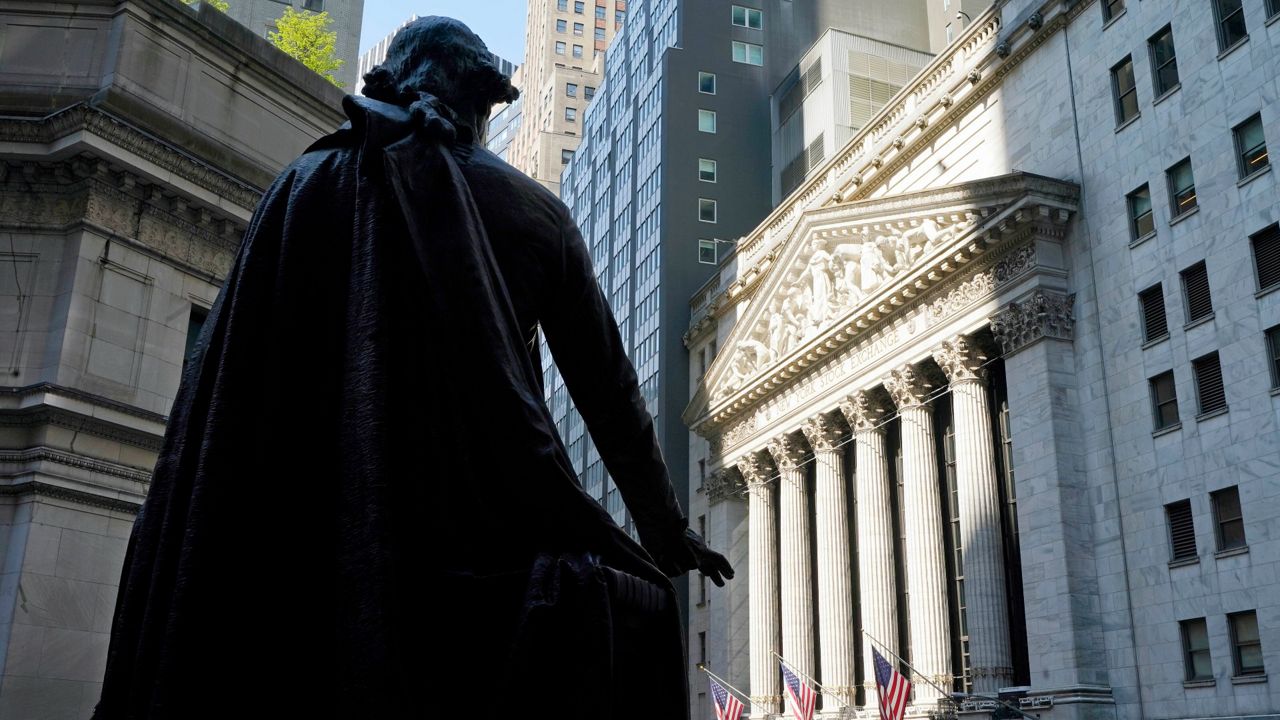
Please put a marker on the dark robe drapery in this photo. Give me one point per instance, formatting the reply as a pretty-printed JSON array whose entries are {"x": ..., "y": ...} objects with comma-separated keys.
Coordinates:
[{"x": 362, "y": 508}]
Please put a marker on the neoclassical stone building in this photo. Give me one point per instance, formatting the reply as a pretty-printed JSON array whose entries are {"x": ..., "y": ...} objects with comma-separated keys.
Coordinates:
[{"x": 995, "y": 389}]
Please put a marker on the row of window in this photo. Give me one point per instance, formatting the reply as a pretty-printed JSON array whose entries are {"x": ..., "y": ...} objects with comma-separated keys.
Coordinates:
[
  {"x": 560, "y": 48},
  {"x": 1246, "y": 647},
  {"x": 1228, "y": 525},
  {"x": 1197, "y": 303},
  {"x": 580, "y": 8},
  {"x": 1228, "y": 16},
  {"x": 1211, "y": 396},
  {"x": 571, "y": 90},
  {"x": 1251, "y": 158}
]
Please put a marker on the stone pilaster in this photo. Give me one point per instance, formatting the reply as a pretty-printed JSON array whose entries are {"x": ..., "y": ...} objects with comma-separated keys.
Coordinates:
[
  {"x": 795, "y": 561},
  {"x": 926, "y": 561},
  {"x": 876, "y": 569},
  {"x": 835, "y": 566},
  {"x": 766, "y": 690},
  {"x": 982, "y": 544}
]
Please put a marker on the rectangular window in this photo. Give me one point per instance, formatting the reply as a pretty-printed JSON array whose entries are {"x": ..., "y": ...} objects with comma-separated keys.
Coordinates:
[
  {"x": 1155, "y": 324},
  {"x": 559, "y": 47},
  {"x": 707, "y": 83},
  {"x": 707, "y": 252},
  {"x": 1141, "y": 222},
  {"x": 1164, "y": 400},
  {"x": 600, "y": 33},
  {"x": 748, "y": 53},
  {"x": 1164, "y": 61},
  {"x": 706, "y": 210},
  {"x": 570, "y": 90},
  {"x": 579, "y": 8},
  {"x": 1251, "y": 146},
  {"x": 1227, "y": 518},
  {"x": 1182, "y": 188},
  {"x": 1246, "y": 645},
  {"x": 707, "y": 121},
  {"x": 577, "y": 28},
  {"x": 1111, "y": 8},
  {"x": 577, "y": 51},
  {"x": 565, "y": 156},
  {"x": 561, "y": 26},
  {"x": 618, "y": 17},
  {"x": 562, "y": 5},
  {"x": 600, "y": 12},
  {"x": 706, "y": 170},
  {"x": 1195, "y": 288},
  {"x": 1273, "y": 355},
  {"x": 1231, "y": 28},
  {"x": 1210, "y": 395},
  {"x": 1195, "y": 650},
  {"x": 1124, "y": 91},
  {"x": 1273, "y": 8},
  {"x": 588, "y": 92},
  {"x": 747, "y": 17},
  {"x": 1266, "y": 256},
  {"x": 571, "y": 114},
  {"x": 1182, "y": 530}
]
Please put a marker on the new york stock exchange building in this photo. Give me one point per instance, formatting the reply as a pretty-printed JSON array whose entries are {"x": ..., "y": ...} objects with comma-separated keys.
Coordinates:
[{"x": 994, "y": 390}]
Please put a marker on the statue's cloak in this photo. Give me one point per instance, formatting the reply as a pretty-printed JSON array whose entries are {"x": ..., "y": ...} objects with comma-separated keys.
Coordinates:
[{"x": 359, "y": 473}]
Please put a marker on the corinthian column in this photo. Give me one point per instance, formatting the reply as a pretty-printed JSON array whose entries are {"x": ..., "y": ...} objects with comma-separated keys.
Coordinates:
[
  {"x": 835, "y": 567},
  {"x": 766, "y": 690},
  {"x": 797, "y": 566},
  {"x": 926, "y": 562},
  {"x": 981, "y": 542},
  {"x": 876, "y": 568}
]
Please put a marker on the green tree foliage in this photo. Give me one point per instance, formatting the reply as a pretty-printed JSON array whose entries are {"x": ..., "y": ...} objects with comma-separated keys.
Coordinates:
[
  {"x": 306, "y": 37},
  {"x": 219, "y": 5}
]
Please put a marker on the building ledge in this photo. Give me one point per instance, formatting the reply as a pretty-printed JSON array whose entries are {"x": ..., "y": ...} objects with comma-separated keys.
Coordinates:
[
  {"x": 1248, "y": 679},
  {"x": 1183, "y": 215},
  {"x": 1242, "y": 550},
  {"x": 1114, "y": 19},
  {"x": 1184, "y": 562},
  {"x": 1166, "y": 431},
  {"x": 1199, "y": 683},
  {"x": 1234, "y": 47},
  {"x": 1199, "y": 321},
  {"x": 1129, "y": 122},
  {"x": 1253, "y": 175},
  {"x": 1176, "y": 87},
  {"x": 1212, "y": 414},
  {"x": 1139, "y": 240},
  {"x": 1155, "y": 341},
  {"x": 1267, "y": 290}
]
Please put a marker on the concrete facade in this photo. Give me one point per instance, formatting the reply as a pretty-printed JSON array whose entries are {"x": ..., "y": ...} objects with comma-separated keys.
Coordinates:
[
  {"x": 1015, "y": 144},
  {"x": 347, "y": 15},
  {"x": 113, "y": 244}
]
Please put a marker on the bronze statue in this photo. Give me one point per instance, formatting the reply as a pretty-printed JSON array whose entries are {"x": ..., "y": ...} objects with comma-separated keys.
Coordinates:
[{"x": 362, "y": 508}]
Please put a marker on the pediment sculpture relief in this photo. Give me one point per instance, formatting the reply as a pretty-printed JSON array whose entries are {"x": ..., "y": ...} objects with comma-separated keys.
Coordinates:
[{"x": 828, "y": 278}]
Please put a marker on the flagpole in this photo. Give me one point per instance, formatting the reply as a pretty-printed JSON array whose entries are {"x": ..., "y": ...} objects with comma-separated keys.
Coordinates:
[{"x": 724, "y": 682}]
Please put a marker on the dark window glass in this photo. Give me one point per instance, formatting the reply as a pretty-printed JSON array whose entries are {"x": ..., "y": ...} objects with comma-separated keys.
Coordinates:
[
  {"x": 1141, "y": 222},
  {"x": 1251, "y": 146},
  {"x": 571, "y": 114},
  {"x": 1155, "y": 324},
  {"x": 1164, "y": 399},
  {"x": 1245, "y": 643},
  {"x": 1273, "y": 8},
  {"x": 1195, "y": 650},
  {"x": 571, "y": 90},
  {"x": 562, "y": 5},
  {"x": 313, "y": 5},
  {"x": 1273, "y": 355},
  {"x": 707, "y": 83},
  {"x": 707, "y": 252},
  {"x": 1228, "y": 519},
  {"x": 706, "y": 170},
  {"x": 1111, "y": 8},
  {"x": 565, "y": 156},
  {"x": 561, "y": 26},
  {"x": 1182, "y": 188},
  {"x": 588, "y": 92},
  {"x": 1209, "y": 391},
  {"x": 600, "y": 12},
  {"x": 1164, "y": 61},
  {"x": 599, "y": 33},
  {"x": 1124, "y": 91},
  {"x": 1182, "y": 530},
  {"x": 1266, "y": 256},
  {"x": 1230, "y": 17},
  {"x": 578, "y": 8},
  {"x": 706, "y": 210},
  {"x": 1195, "y": 286}
]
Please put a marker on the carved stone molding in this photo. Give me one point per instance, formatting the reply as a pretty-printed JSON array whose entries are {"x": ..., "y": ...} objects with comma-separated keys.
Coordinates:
[
  {"x": 960, "y": 360},
  {"x": 725, "y": 484},
  {"x": 787, "y": 451},
  {"x": 81, "y": 462},
  {"x": 756, "y": 471},
  {"x": 823, "y": 432},
  {"x": 907, "y": 387},
  {"x": 40, "y": 489},
  {"x": 1045, "y": 314},
  {"x": 862, "y": 411}
]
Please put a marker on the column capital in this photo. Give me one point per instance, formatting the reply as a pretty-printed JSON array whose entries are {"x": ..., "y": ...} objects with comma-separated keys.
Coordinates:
[
  {"x": 907, "y": 387},
  {"x": 823, "y": 432},
  {"x": 725, "y": 484},
  {"x": 1043, "y": 314},
  {"x": 863, "y": 411},
  {"x": 787, "y": 451},
  {"x": 756, "y": 471},
  {"x": 960, "y": 359}
]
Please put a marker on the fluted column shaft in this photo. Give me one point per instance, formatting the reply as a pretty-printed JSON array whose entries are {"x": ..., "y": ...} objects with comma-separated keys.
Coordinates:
[
  {"x": 835, "y": 566},
  {"x": 987, "y": 612},
  {"x": 874, "y": 511},
  {"x": 924, "y": 549},
  {"x": 794, "y": 557},
  {"x": 766, "y": 690}
]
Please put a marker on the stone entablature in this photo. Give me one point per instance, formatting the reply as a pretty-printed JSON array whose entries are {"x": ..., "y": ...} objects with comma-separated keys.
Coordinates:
[{"x": 995, "y": 239}]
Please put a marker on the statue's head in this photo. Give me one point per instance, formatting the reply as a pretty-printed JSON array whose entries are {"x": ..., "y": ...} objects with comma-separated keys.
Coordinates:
[{"x": 441, "y": 56}]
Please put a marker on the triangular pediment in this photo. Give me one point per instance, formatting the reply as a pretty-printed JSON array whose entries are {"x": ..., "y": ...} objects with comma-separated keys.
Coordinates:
[{"x": 843, "y": 268}]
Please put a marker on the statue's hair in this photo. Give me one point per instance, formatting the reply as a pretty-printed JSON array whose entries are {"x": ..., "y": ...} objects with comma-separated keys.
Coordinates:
[{"x": 440, "y": 56}]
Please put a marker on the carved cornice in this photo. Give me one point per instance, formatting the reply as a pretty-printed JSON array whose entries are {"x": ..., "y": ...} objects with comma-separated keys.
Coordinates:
[
  {"x": 63, "y": 418},
  {"x": 41, "y": 489},
  {"x": 82, "y": 396},
  {"x": 907, "y": 387},
  {"x": 960, "y": 360},
  {"x": 725, "y": 484},
  {"x": 787, "y": 451},
  {"x": 1044, "y": 314},
  {"x": 823, "y": 431},
  {"x": 46, "y": 454},
  {"x": 863, "y": 411}
]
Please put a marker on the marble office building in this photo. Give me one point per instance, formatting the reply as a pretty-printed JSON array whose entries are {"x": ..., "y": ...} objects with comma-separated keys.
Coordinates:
[{"x": 997, "y": 383}]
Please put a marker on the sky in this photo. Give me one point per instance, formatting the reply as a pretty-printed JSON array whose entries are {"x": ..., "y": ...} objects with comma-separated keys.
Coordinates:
[{"x": 500, "y": 23}]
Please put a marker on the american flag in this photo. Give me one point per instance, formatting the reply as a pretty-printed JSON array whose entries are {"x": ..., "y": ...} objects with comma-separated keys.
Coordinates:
[
  {"x": 894, "y": 689},
  {"x": 728, "y": 706},
  {"x": 803, "y": 698}
]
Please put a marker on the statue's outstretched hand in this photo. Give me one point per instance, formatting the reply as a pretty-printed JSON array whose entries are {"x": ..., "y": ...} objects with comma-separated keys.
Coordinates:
[{"x": 689, "y": 552}]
